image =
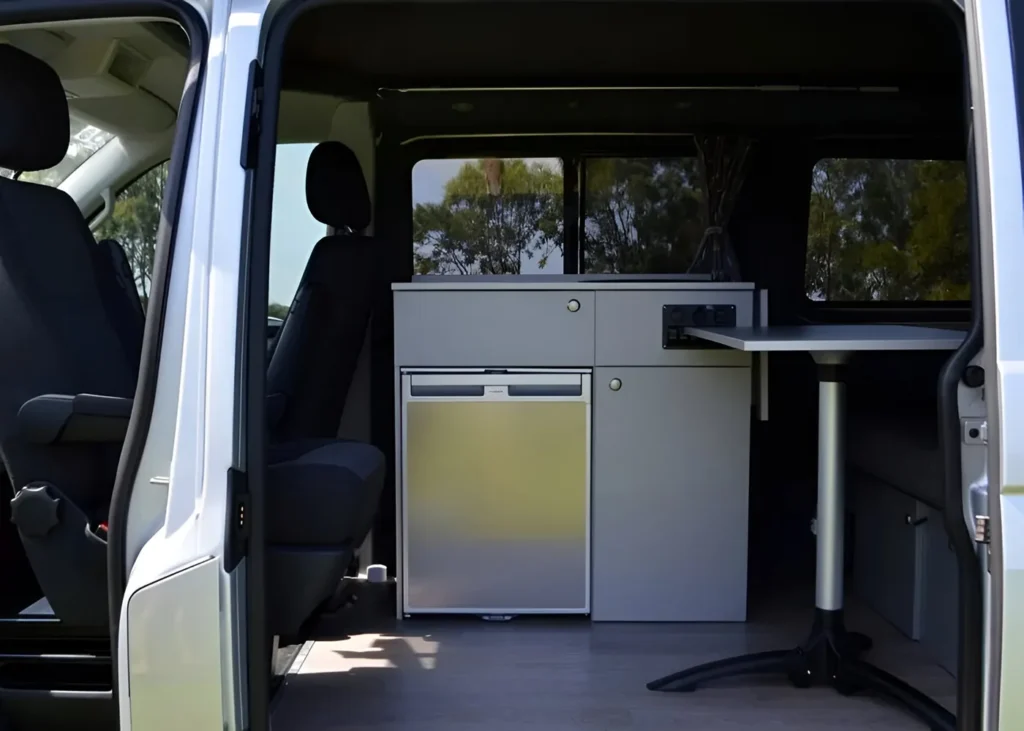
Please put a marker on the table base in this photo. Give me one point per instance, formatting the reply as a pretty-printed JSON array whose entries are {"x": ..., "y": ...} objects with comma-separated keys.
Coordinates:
[{"x": 830, "y": 656}]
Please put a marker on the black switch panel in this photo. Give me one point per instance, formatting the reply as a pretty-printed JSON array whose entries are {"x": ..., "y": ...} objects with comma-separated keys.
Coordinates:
[{"x": 674, "y": 318}]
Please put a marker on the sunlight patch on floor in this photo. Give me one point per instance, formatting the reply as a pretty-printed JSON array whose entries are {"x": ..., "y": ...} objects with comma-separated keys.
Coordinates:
[{"x": 366, "y": 651}]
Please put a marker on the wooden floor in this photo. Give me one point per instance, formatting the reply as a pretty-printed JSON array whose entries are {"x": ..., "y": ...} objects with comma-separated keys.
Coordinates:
[{"x": 467, "y": 674}]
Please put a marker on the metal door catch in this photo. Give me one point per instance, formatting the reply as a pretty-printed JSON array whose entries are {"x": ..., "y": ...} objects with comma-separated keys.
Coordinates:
[
  {"x": 982, "y": 529},
  {"x": 975, "y": 431}
]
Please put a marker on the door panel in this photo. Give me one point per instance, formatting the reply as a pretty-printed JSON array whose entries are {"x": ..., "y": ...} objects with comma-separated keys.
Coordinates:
[{"x": 688, "y": 429}]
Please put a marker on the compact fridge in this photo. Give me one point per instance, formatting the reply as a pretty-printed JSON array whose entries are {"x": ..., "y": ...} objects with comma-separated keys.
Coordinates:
[{"x": 495, "y": 491}]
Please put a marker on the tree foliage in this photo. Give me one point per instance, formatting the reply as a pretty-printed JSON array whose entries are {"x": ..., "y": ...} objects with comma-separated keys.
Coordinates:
[
  {"x": 878, "y": 229},
  {"x": 276, "y": 309},
  {"x": 888, "y": 230},
  {"x": 491, "y": 221},
  {"x": 134, "y": 223},
  {"x": 643, "y": 215}
]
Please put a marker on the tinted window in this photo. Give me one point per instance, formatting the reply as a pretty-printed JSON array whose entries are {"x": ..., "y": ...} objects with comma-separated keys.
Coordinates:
[
  {"x": 642, "y": 215},
  {"x": 888, "y": 230},
  {"x": 488, "y": 216},
  {"x": 134, "y": 223}
]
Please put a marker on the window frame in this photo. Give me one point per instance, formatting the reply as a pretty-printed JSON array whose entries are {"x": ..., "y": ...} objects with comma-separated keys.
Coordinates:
[
  {"x": 572, "y": 149},
  {"x": 884, "y": 148}
]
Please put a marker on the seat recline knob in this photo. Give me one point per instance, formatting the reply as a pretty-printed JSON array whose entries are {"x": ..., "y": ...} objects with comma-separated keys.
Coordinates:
[{"x": 34, "y": 510}]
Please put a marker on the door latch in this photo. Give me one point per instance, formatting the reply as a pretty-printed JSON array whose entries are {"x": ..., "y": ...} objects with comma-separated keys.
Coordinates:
[
  {"x": 982, "y": 529},
  {"x": 975, "y": 431}
]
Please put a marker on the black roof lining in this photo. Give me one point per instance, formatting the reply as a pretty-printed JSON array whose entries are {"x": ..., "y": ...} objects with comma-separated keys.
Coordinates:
[{"x": 357, "y": 48}]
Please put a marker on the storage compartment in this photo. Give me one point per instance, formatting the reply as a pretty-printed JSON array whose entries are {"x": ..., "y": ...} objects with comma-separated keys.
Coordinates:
[
  {"x": 496, "y": 492},
  {"x": 890, "y": 548},
  {"x": 671, "y": 471},
  {"x": 508, "y": 328},
  {"x": 940, "y": 607}
]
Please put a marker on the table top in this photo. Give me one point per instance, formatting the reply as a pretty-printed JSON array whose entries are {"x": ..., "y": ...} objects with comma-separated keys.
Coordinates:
[{"x": 830, "y": 338}]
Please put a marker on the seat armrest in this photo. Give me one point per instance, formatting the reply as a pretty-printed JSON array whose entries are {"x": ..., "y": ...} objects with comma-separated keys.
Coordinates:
[{"x": 85, "y": 417}]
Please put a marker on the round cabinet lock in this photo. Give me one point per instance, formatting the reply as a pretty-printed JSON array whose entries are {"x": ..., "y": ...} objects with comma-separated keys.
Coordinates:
[
  {"x": 574, "y": 305},
  {"x": 615, "y": 384}
]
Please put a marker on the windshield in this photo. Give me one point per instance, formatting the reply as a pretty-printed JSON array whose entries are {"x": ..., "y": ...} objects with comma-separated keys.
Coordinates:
[{"x": 85, "y": 141}]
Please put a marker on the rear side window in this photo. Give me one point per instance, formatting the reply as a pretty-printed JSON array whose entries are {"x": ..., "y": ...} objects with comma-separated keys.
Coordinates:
[
  {"x": 888, "y": 230},
  {"x": 641, "y": 215},
  {"x": 488, "y": 216}
]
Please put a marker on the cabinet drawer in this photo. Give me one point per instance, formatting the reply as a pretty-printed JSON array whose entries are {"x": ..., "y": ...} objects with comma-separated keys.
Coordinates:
[
  {"x": 628, "y": 328},
  {"x": 506, "y": 328}
]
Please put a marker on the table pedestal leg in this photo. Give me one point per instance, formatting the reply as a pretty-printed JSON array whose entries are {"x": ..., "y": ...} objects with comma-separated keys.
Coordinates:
[{"x": 830, "y": 655}]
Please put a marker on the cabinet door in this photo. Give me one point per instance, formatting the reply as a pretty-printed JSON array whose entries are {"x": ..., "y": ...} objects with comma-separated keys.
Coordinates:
[
  {"x": 670, "y": 487},
  {"x": 494, "y": 328}
]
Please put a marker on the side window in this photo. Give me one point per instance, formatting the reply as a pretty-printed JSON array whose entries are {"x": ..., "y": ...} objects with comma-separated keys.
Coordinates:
[
  {"x": 883, "y": 230},
  {"x": 641, "y": 215},
  {"x": 293, "y": 233},
  {"x": 134, "y": 223},
  {"x": 488, "y": 216}
]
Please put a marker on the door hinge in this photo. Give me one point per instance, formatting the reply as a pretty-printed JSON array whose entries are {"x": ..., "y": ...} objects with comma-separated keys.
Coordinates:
[
  {"x": 982, "y": 529},
  {"x": 254, "y": 102},
  {"x": 236, "y": 532}
]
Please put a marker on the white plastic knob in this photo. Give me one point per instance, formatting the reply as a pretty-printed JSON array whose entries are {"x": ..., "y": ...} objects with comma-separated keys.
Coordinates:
[
  {"x": 574, "y": 305},
  {"x": 615, "y": 384}
]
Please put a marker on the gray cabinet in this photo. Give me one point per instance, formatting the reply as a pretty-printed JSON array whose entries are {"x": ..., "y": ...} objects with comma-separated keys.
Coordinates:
[
  {"x": 889, "y": 552},
  {"x": 940, "y": 611},
  {"x": 499, "y": 328},
  {"x": 628, "y": 328},
  {"x": 670, "y": 494}
]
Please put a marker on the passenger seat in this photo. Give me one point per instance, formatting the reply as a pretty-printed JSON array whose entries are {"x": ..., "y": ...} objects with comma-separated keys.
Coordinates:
[{"x": 322, "y": 492}]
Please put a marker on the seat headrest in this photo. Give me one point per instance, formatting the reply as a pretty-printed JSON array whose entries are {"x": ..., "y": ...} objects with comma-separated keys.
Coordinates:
[
  {"x": 335, "y": 188},
  {"x": 34, "y": 124}
]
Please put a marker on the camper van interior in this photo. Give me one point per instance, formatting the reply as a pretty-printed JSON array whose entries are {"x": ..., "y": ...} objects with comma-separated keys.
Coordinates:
[{"x": 604, "y": 380}]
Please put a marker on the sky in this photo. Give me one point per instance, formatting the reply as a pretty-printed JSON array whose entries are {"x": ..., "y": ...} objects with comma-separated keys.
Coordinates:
[{"x": 294, "y": 231}]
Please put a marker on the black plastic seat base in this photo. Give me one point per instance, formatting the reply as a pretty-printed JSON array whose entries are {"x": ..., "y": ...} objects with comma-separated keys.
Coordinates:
[{"x": 831, "y": 656}]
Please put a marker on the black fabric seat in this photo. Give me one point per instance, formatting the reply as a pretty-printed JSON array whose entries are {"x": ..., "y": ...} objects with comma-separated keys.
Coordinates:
[
  {"x": 321, "y": 498},
  {"x": 317, "y": 491},
  {"x": 69, "y": 356},
  {"x": 316, "y": 350},
  {"x": 322, "y": 492},
  {"x": 68, "y": 366}
]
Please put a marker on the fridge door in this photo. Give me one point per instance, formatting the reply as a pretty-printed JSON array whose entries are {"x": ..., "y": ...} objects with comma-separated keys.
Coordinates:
[{"x": 496, "y": 492}]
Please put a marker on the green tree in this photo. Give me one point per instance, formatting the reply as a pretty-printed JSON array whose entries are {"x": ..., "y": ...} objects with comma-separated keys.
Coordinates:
[
  {"x": 134, "y": 223},
  {"x": 643, "y": 215},
  {"x": 495, "y": 214},
  {"x": 888, "y": 230},
  {"x": 276, "y": 309}
]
